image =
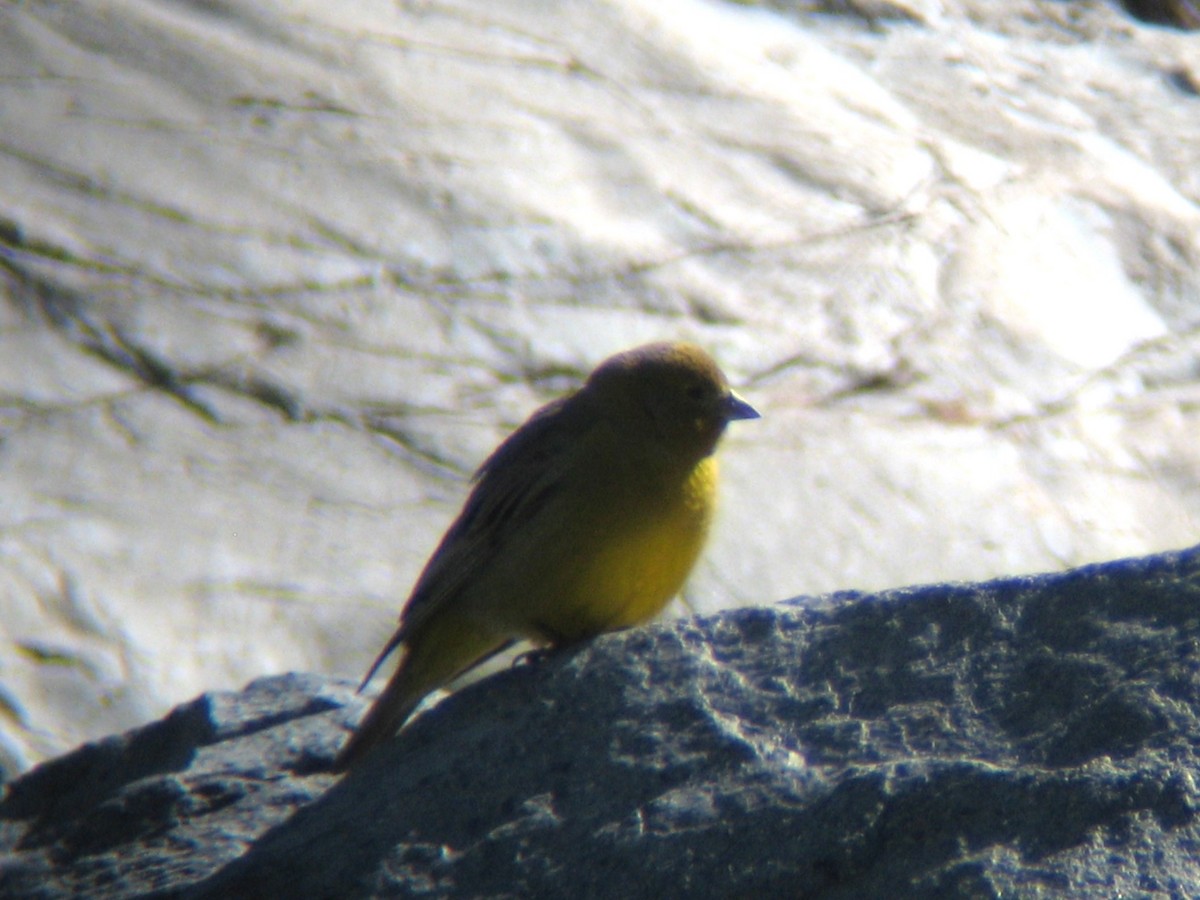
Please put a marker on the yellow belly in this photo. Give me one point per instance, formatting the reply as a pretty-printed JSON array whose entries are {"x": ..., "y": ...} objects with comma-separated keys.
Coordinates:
[{"x": 625, "y": 569}]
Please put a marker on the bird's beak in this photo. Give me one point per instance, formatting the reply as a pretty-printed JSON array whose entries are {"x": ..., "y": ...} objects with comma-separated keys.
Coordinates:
[{"x": 735, "y": 407}]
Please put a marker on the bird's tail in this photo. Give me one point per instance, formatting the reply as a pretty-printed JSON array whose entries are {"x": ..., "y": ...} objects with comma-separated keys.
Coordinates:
[{"x": 439, "y": 652}]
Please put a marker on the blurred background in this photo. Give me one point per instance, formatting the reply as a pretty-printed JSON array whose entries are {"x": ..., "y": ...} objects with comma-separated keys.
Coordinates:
[{"x": 275, "y": 276}]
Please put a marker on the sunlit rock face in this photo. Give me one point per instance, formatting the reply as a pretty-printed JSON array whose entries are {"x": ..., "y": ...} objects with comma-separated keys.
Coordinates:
[{"x": 275, "y": 276}]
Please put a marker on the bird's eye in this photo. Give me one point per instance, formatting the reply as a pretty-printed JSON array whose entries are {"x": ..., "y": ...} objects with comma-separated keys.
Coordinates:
[{"x": 696, "y": 392}]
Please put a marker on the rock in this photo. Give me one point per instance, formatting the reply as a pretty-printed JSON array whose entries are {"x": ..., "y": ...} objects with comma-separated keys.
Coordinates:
[
  {"x": 1024, "y": 737},
  {"x": 275, "y": 276}
]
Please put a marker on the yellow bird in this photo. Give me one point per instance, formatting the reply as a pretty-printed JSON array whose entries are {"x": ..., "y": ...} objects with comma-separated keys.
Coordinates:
[{"x": 587, "y": 519}]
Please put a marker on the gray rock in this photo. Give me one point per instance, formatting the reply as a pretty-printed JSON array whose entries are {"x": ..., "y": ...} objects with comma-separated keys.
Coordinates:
[{"x": 1025, "y": 737}]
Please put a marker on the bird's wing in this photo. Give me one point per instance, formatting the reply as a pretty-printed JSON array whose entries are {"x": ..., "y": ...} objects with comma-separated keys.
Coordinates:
[{"x": 511, "y": 487}]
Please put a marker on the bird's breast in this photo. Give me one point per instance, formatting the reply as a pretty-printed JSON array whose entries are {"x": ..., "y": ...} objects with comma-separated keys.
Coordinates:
[{"x": 622, "y": 567}]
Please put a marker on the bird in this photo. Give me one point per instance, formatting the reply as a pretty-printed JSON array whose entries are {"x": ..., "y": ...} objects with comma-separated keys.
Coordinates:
[{"x": 586, "y": 519}]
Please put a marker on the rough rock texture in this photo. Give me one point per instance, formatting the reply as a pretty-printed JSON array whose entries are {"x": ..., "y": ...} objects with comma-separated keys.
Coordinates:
[
  {"x": 1026, "y": 737},
  {"x": 275, "y": 275}
]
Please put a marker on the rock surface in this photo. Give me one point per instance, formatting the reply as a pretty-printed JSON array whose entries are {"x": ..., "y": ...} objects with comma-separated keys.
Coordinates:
[
  {"x": 275, "y": 275},
  {"x": 1026, "y": 737}
]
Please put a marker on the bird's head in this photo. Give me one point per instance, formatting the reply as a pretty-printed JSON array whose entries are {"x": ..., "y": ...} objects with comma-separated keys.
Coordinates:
[{"x": 673, "y": 391}]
